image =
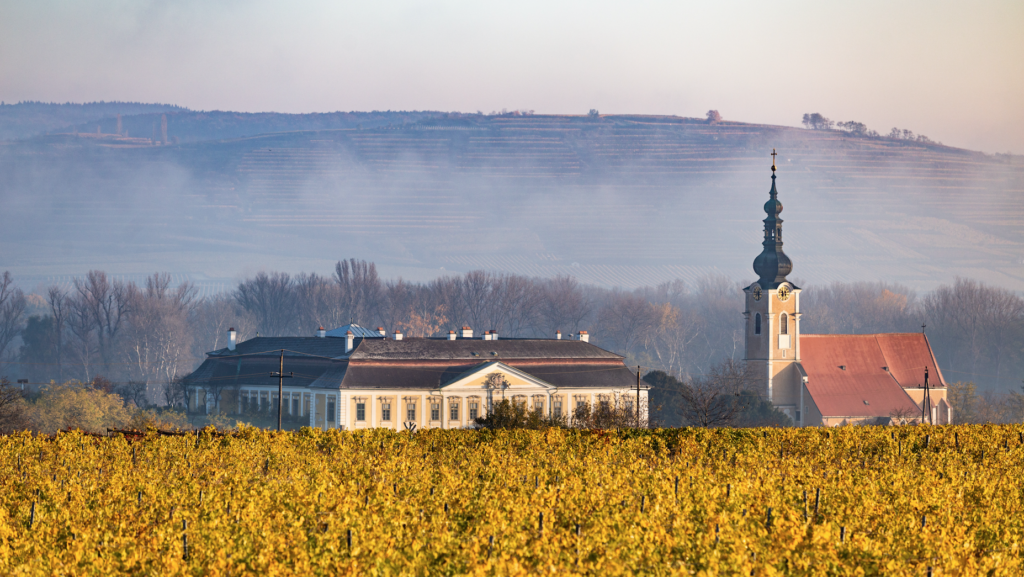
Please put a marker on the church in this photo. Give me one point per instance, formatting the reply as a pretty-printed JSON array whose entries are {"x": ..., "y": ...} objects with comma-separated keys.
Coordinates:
[{"x": 830, "y": 380}]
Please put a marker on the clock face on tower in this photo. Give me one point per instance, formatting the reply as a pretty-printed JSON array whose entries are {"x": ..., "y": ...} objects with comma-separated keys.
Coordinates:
[
  {"x": 783, "y": 293},
  {"x": 757, "y": 292}
]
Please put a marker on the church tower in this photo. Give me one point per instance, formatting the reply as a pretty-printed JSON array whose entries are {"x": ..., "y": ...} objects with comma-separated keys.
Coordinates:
[{"x": 773, "y": 318}]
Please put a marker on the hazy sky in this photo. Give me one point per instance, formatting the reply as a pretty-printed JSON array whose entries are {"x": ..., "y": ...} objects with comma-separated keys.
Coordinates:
[{"x": 953, "y": 71}]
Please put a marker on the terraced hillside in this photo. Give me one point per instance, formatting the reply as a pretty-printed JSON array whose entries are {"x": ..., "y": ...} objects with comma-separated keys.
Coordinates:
[{"x": 616, "y": 200}]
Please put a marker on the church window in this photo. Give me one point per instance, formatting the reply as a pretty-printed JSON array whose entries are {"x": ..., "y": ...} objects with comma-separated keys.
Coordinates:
[
  {"x": 435, "y": 411},
  {"x": 360, "y": 411},
  {"x": 757, "y": 324},
  {"x": 385, "y": 411},
  {"x": 784, "y": 324}
]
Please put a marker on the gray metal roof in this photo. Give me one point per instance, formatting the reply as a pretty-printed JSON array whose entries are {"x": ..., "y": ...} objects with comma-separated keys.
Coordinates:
[
  {"x": 293, "y": 347},
  {"x": 357, "y": 330}
]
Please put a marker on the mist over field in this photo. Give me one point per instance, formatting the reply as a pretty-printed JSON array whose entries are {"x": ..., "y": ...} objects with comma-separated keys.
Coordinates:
[{"x": 615, "y": 201}]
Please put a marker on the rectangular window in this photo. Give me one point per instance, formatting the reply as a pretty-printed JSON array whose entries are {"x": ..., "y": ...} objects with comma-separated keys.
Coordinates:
[
  {"x": 557, "y": 407},
  {"x": 264, "y": 400},
  {"x": 538, "y": 405},
  {"x": 331, "y": 410},
  {"x": 474, "y": 410},
  {"x": 273, "y": 401},
  {"x": 410, "y": 412},
  {"x": 295, "y": 404},
  {"x": 581, "y": 405},
  {"x": 307, "y": 401},
  {"x": 435, "y": 411},
  {"x": 798, "y": 416},
  {"x": 453, "y": 413},
  {"x": 360, "y": 411},
  {"x": 385, "y": 411}
]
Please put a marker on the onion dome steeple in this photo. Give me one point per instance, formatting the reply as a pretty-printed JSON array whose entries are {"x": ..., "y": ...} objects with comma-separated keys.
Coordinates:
[{"x": 772, "y": 265}]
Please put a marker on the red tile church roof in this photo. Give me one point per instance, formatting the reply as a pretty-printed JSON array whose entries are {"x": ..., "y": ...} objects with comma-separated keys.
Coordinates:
[{"x": 842, "y": 392}]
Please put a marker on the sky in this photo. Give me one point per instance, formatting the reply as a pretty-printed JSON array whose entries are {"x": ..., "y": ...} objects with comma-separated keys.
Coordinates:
[{"x": 953, "y": 71}]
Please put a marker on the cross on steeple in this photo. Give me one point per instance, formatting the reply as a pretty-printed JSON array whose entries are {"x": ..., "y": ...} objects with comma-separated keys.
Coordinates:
[{"x": 772, "y": 265}]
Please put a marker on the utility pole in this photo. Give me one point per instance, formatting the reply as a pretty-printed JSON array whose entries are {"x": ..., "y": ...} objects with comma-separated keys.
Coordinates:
[
  {"x": 280, "y": 389},
  {"x": 926, "y": 402}
]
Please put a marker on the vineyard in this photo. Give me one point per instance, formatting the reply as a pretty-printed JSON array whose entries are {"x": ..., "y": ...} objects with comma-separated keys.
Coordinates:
[{"x": 847, "y": 501}]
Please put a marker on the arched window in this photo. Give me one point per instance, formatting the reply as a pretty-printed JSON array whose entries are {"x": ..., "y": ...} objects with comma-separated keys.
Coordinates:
[
  {"x": 784, "y": 324},
  {"x": 757, "y": 324}
]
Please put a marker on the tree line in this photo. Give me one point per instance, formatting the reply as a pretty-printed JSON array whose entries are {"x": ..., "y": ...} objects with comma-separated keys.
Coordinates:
[
  {"x": 144, "y": 338},
  {"x": 816, "y": 121}
]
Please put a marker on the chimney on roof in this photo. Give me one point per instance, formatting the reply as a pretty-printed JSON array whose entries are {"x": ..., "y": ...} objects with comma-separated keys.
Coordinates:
[
  {"x": 584, "y": 336},
  {"x": 558, "y": 335},
  {"x": 398, "y": 335},
  {"x": 467, "y": 333},
  {"x": 486, "y": 336},
  {"x": 321, "y": 332},
  {"x": 382, "y": 332},
  {"x": 451, "y": 335},
  {"x": 231, "y": 338},
  {"x": 349, "y": 341},
  {"x": 494, "y": 335}
]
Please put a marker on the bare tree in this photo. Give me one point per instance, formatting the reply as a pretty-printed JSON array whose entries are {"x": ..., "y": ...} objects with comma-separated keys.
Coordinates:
[
  {"x": 82, "y": 327},
  {"x": 716, "y": 399},
  {"x": 12, "y": 408},
  {"x": 212, "y": 319},
  {"x": 157, "y": 342},
  {"x": 106, "y": 303},
  {"x": 564, "y": 305},
  {"x": 57, "y": 300},
  {"x": 625, "y": 321},
  {"x": 360, "y": 290},
  {"x": 977, "y": 329},
  {"x": 270, "y": 298},
  {"x": 514, "y": 303},
  {"x": 12, "y": 311},
  {"x": 318, "y": 303}
]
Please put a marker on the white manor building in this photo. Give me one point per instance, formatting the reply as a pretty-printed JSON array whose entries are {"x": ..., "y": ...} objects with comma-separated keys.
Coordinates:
[{"x": 354, "y": 378}]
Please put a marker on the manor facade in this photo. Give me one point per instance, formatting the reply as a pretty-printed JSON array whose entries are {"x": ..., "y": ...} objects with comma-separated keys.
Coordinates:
[{"x": 355, "y": 378}]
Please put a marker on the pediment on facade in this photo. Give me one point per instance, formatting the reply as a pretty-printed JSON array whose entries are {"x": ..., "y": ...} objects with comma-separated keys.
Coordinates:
[{"x": 513, "y": 379}]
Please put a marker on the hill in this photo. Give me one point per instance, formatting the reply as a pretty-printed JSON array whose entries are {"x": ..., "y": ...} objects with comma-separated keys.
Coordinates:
[
  {"x": 28, "y": 119},
  {"x": 614, "y": 200}
]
